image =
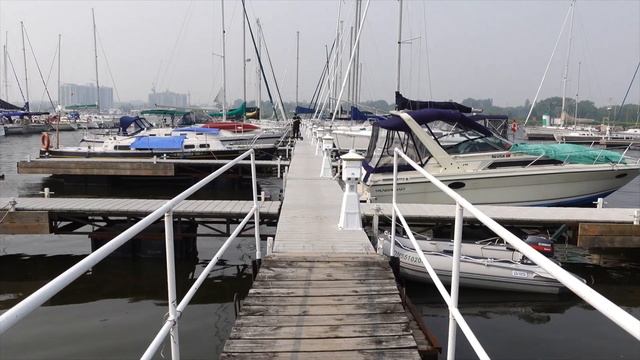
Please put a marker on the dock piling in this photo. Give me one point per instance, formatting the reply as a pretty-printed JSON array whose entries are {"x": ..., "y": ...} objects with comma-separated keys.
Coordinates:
[{"x": 327, "y": 145}]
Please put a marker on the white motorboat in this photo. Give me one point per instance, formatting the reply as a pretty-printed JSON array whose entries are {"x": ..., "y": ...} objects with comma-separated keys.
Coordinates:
[
  {"x": 578, "y": 137},
  {"x": 484, "y": 168},
  {"x": 488, "y": 264},
  {"x": 138, "y": 139}
]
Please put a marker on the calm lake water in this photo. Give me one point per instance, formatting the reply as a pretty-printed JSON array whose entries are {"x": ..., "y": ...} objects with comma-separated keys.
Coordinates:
[{"x": 114, "y": 311}]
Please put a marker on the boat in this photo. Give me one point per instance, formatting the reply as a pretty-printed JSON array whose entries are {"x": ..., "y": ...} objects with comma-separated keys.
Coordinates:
[
  {"x": 578, "y": 137},
  {"x": 487, "y": 264},
  {"x": 137, "y": 138},
  {"x": 485, "y": 168},
  {"x": 24, "y": 125}
]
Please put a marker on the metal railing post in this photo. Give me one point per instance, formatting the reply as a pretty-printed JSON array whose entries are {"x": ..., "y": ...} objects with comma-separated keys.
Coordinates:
[
  {"x": 455, "y": 281},
  {"x": 393, "y": 203},
  {"x": 256, "y": 205},
  {"x": 279, "y": 164},
  {"x": 171, "y": 284}
]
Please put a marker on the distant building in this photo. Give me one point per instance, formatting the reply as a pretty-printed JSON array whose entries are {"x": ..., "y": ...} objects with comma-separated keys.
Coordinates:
[
  {"x": 168, "y": 98},
  {"x": 73, "y": 94}
]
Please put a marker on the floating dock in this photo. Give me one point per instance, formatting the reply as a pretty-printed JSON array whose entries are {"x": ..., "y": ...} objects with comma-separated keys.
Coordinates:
[
  {"x": 131, "y": 167},
  {"x": 322, "y": 293},
  {"x": 508, "y": 214},
  {"x": 64, "y": 215}
]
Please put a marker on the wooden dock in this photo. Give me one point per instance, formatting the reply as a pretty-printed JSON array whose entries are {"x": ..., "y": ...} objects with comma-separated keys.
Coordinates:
[
  {"x": 128, "y": 167},
  {"x": 38, "y": 215},
  {"x": 323, "y": 293}
]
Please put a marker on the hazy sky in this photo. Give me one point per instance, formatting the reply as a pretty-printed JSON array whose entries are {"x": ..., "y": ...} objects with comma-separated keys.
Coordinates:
[{"x": 480, "y": 49}]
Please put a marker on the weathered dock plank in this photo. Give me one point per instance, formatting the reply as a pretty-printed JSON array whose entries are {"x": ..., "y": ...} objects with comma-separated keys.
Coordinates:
[
  {"x": 323, "y": 300},
  {"x": 609, "y": 236},
  {"x": 333, "y": 355},
  {"x": 324, "y": 291},
  {"x": 304, "y": 309},
  {"x": 301, "y": 320},
  {"x": 336, "y": 344},
  {"x": 293, "y": 284},
  {"x": 319, "y": 332}
]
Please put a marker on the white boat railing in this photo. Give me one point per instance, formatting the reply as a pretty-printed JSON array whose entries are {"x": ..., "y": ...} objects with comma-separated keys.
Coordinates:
[
  {"x": 35, "y": 300},
  {"x": 616, "y": 314}
]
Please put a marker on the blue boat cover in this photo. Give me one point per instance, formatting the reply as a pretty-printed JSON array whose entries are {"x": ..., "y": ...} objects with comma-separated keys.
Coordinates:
[
  {"x": 157, "y": 143},
  {"x": 125, "y": 121},
  {"x": 356, "y": 114},
  {"x": 212, "y": 131},
  {"x": 402, "y": 103},
  {"x": 425, "y": 116},
  {"x": 481, "y": 117},
  {"x": 304, "y": 110}
]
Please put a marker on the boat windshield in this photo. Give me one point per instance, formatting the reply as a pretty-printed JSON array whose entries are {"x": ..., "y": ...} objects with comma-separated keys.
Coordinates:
[{"x": 457, "y": 139}]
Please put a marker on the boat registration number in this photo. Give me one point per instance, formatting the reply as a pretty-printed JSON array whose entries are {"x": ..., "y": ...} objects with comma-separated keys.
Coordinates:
[{"x": 519, "y": 273}]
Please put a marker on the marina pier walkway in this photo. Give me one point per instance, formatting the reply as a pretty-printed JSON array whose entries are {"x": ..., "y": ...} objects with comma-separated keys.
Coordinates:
[
  {"x": 64, "y": 215},
  {"x": 323, "y": 293}
]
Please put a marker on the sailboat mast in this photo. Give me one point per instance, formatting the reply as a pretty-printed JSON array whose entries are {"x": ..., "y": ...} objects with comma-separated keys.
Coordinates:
[
  {"x": 399, "y": 49},
  {"x": 356, "y": 78},
  {"x": 24, "y": 58},
  {"x": 244, "y": 65},
  {"x": 566, "y": 66},
  {"x": 95, "y": 53},
  {"x": 6, "y": 82},
  {"x": 59, "y": 51},
  {"x": 575, "y": 122},
  {"x": 258, "y": 71},
  {"x": 224, "y": 69},
  {"x": 59, "y": 105},
  {"x": 297, "y": 64}
]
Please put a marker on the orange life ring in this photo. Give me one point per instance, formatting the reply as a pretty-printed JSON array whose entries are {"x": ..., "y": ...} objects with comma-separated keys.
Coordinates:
[{"x": 44, "y": 140}]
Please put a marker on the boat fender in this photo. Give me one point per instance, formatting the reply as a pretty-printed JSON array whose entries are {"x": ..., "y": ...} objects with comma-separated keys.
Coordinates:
[{"x": 44, "y": 140}]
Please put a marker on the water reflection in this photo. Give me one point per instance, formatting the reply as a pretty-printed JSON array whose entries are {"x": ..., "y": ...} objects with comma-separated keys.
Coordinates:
[{"x": 135, "y": 279}]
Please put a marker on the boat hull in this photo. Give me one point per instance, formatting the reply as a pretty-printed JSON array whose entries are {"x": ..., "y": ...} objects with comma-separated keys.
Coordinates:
[
  {"x": 262, "y": 153},
  {"x": 505, "y": 276},
  {"x": 25, "y": 129},
  {"x": 532, "y": 188}
]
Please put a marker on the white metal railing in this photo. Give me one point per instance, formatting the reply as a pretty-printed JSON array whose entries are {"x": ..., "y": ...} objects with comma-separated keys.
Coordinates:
[
  {"x": 33, "y": 301},
  {"x": 616, "y": 314}
]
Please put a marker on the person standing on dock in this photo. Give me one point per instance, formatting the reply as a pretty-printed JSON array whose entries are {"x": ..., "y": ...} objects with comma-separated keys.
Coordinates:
[{"x": 295, "y": 126}]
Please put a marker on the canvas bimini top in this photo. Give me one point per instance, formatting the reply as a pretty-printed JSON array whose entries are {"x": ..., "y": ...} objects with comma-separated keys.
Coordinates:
[{"x": 426, "y": 116}]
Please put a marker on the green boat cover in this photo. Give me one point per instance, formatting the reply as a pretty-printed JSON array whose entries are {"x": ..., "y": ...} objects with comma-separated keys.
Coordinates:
[
  {"x": 81, "y": 106},
  {"x": 570, "y": 153},
  {"x": 232, "y": 113},
  {"x": 168, "y": 112}
]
